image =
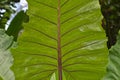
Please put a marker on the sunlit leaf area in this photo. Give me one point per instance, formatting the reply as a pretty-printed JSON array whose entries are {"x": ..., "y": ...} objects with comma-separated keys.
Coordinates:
[{"x": 59, "y": 40}]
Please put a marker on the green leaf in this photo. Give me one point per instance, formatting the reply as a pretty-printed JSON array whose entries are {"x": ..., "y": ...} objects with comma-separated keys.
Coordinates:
[
  {"x": 69, "y": 40},
  {"x": 0, "y": 78},
  {"x": 6, "y": 60},
  {"x": 53, "y": 77},
  {"x": 16, "y": 25},
  {"x": 113, "y": 69}
]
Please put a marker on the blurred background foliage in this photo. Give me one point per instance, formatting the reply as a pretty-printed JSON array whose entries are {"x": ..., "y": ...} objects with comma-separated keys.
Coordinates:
[
  {"x": 111, "y": 22},
  {"x": 6, "y": 10},
  {"x": 15, "y": 26}
]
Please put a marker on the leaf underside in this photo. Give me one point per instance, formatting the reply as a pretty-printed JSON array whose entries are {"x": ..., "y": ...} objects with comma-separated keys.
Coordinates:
[
  {"x": 83, "y": 49},
  {"x": 114, "y": 64},
  {"x": 6, "y": 60}
]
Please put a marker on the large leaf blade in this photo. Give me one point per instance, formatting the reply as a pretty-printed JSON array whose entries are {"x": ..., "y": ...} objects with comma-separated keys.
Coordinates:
[{"x": 82, "y": 42}]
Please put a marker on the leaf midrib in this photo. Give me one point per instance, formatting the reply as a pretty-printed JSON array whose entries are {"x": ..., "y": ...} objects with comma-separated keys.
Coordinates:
[{"x": 59, "y": 43}]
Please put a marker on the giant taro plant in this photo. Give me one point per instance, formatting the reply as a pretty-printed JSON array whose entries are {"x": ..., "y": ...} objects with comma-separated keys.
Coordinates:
[{"x": 64, "y": 40}]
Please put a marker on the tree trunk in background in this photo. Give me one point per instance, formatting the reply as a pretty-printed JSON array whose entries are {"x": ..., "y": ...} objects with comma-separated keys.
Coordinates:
[{"x": 111, "y": 22}]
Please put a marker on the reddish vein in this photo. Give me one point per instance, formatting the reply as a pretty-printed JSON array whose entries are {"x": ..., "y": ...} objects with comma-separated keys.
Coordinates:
[{"x": 59, "y": 44}]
